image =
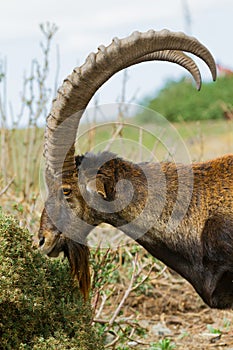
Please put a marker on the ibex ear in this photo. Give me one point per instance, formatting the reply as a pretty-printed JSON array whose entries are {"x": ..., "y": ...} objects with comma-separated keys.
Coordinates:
[{"x": 97, "y": 186}]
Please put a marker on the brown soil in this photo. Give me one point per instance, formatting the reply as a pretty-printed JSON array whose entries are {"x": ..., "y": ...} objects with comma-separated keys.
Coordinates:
[{"x": 173, "y": 310}]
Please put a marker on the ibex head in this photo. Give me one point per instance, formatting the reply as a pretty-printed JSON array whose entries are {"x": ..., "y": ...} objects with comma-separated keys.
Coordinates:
[{"x": 66, "y": 213}]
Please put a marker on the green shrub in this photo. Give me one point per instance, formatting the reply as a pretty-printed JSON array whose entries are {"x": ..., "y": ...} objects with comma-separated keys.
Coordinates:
[
  {"x": 40, "y": 307},
  {"x": 179, "y": 100}
]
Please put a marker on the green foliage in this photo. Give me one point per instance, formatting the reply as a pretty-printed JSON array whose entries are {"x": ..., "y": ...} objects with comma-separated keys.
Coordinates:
[
  {"x": 40, "y": 307},
  {"x": 104, "y": 268},
  {"x": 179, "y": 100},
  {"x": 227, "y": 323},
  {"x": 213, "y": 330},
  {"x": 163, "y": 344}
]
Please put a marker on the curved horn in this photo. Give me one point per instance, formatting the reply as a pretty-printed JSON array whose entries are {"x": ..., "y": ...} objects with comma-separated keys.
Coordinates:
[
  {"x": 177, "y": 57},
  {"x": 81, "y": 85}
]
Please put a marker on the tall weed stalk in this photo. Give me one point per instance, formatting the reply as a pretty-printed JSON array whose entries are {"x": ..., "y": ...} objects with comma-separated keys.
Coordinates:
[{"x": 21, "y": 133}]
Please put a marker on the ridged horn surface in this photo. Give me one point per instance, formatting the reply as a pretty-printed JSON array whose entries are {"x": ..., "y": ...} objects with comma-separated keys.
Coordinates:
[
  {"x": 79, "y": 87},
  {"x": 177, "y": 57}
]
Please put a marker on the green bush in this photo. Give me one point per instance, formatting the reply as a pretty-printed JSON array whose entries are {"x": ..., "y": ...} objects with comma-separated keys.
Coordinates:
[
  {"x": 179, "y": 100},
  {"x": 40, "y": 307}
]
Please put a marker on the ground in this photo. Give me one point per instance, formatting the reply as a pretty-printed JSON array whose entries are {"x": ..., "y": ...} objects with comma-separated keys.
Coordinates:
[
  {"x": 176, "y": 312},
  {"x": 173, "y": 310}
]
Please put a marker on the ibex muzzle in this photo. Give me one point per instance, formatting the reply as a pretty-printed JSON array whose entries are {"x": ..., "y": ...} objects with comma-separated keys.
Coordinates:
[{"x": 182, "y": 214}]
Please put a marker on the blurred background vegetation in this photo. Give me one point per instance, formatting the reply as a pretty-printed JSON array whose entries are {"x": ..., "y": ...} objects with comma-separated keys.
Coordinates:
[{"x": 177, "y": 100}]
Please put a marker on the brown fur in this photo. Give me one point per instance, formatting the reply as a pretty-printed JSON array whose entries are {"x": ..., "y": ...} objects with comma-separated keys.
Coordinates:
[{"x": 201, "y": 248}]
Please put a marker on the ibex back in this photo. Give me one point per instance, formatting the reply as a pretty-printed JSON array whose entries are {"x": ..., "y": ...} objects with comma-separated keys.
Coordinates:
[{"x": 181, "y": 214}]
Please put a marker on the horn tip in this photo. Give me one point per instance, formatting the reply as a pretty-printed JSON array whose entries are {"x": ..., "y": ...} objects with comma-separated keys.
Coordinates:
[
  {"x": 198, "y": 86},
  {"x": 214, "y": 75}
]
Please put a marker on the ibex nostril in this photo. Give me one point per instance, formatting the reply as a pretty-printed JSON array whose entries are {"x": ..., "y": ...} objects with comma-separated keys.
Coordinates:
[{"x": 41, "y": 241}]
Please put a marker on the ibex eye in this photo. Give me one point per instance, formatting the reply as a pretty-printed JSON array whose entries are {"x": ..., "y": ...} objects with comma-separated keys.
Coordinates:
[{"x": 66, "y": 191}]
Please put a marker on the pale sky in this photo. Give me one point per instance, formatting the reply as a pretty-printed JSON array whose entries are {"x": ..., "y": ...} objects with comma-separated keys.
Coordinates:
[{"x": 84, "y": 25}]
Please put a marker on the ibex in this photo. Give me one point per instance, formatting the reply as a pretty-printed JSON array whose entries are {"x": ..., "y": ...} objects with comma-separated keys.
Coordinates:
[{"x": 181, "y": 214}]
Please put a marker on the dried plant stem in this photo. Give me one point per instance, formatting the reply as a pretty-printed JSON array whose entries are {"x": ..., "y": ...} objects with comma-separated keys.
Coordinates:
[
  {"x": 3, "y": 122},
  {"x": 20, "y": 135},
  {"x": 115, "y": 340},
  {"x": 4, "y": 190},
  {"x": 133, "y": 285},
  {"x": 104, "y": 298},
  {"x": 129, "y": 289},
  {"x": 114, "y": 137}
]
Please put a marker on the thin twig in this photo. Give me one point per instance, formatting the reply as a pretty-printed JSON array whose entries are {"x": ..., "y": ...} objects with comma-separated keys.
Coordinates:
[
  {"x": 126, "y": 294},
  {"x": 113, "y": 342},
  {"x": 115, "y": 135},
  {"x": 104, "y": 299},
  {"x": 6, "y": 187}
]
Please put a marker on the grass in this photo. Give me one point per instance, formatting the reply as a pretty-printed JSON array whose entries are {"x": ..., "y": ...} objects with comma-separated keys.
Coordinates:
[
  {"x": 204, "y": 139},
  {"x": 40, "y": 307},
  {"x": 163, "y": 344},
  {"x": 20, "y": 158}
]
